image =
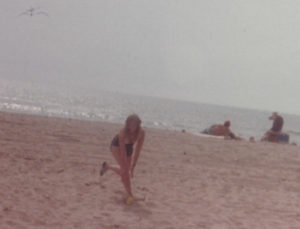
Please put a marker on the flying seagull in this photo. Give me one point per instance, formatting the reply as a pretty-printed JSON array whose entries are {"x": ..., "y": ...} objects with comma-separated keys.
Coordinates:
[{"x": 33, "y": 11}]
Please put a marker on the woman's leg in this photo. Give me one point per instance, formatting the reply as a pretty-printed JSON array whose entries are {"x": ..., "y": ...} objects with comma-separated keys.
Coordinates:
[
  {"x": 124, "y": 173},
  {"x": 266, "y": 136},
  {"x": 117, "y": 155}
]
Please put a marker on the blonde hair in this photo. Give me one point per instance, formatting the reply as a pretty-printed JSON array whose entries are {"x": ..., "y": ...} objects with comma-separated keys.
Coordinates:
[{"x": 133, "y": 118}]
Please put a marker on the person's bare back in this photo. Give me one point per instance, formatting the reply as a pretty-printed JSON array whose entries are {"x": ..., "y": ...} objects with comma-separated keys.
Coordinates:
[{"x": 220, "y": 130}]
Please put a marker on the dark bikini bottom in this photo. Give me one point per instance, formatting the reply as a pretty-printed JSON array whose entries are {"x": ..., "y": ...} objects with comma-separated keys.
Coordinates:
[{"x": 128, "y": 147}]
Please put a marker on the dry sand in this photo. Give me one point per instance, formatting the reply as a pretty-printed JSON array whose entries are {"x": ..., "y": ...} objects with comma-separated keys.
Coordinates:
[{"x": 49, "y": 170}]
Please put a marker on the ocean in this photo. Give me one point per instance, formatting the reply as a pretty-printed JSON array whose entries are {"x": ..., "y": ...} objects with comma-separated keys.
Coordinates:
[{"x": 114, "y": 107}]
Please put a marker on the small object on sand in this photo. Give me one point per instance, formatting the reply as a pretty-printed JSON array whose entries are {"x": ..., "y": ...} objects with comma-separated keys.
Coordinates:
[
  {"x": 103, "y": 169},
  {"x": 251, "y": 139},
  {"x": 129, "y": 200}
]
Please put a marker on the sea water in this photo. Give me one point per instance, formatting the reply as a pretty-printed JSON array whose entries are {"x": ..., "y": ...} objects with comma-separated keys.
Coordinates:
[{"x": 155, "y": 112}]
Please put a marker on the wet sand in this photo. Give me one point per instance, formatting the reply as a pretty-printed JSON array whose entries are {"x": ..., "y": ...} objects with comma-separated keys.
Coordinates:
[{"x": 49, "y": 178}]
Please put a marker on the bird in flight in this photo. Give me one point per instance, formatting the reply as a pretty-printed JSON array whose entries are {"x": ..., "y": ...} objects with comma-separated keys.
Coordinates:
[{"x": 33, "y": 11}]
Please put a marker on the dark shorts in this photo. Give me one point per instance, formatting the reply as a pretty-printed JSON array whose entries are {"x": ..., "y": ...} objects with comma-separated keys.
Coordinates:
[{"x": 128, "y": 147}]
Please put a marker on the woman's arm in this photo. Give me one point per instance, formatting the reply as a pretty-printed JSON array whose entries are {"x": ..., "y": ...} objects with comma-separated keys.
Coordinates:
[
  {"x": 123, "y": 149},
  {"x": 138, "y": 148}
]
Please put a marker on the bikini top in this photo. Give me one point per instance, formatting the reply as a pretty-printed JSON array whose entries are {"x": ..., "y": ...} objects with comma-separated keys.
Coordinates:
[{"x": 115, "y": 142}]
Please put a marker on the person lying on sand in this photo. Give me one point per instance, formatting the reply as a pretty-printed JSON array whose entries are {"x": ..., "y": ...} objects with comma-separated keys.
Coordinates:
[
  {"x": 122, "y": 148},
  {"x": 221, "y": 130}
]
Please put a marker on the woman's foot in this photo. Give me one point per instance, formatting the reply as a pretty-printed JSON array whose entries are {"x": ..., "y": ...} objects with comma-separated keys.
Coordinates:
[
  {"x": 103, "y": 169},
  {"x": 129, "y": 200}
]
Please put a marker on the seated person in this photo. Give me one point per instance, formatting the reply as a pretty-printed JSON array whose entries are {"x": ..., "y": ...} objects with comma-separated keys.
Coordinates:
[
  {"x": 220, "y": 130},
  {"x": 275, "y": 134}
]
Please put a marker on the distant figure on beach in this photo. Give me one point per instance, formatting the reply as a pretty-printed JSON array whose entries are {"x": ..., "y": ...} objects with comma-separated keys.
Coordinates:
[
  {"x": 275, "y": 134},
  {"x": 122, "y": 148},
  {"x": 221, "y": 130}
]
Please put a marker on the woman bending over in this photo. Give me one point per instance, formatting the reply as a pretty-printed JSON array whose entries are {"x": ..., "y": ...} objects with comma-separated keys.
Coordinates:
[{"x": 126, "y": 146}]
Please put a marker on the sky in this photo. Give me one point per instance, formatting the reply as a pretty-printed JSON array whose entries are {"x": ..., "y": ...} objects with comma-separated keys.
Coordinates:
[{"x": 242, "y": 53}]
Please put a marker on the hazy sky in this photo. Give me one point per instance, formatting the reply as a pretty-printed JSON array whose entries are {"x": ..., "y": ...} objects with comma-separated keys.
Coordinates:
[{"x": 244, "y": 53}]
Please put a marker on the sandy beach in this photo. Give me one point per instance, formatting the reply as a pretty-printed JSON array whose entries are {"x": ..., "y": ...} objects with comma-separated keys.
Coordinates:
[{"x": 49, "y": 170}]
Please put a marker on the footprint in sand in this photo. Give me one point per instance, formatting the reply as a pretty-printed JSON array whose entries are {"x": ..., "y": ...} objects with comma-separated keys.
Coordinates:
[
  {"x": 105, "y": 214},
  {"x": 143, "y": 189},
  {"x": 102, "y": 186},
  {"x": 119, "y": 192}
]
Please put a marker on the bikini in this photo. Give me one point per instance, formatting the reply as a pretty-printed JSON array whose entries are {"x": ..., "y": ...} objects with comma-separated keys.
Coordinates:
[{"x": 128, "y": 146}]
